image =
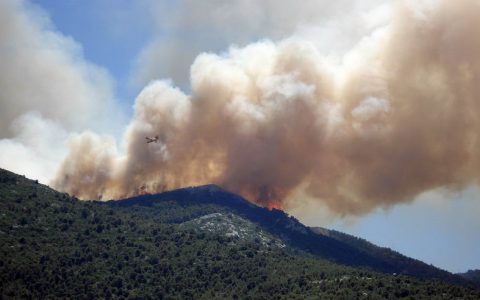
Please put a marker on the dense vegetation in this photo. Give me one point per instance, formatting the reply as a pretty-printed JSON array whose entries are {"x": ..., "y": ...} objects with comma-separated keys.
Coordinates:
[
  {"x": 52, "y": 245},
  {"x": 327, "y": 244},
  {"x": 472, "y": 275}
]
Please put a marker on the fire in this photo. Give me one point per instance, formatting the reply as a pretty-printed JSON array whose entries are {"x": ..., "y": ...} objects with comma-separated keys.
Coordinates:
[
  {"x": 266, "y": 196},
  {"x": 143, "y": 191},
  {"x": 272, "y": 205}
]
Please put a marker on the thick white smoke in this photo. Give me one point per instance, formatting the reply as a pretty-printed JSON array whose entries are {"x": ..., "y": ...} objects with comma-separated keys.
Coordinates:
[
  {"x": 195, "y": 27},
  {"x": 397, "y": 116}
]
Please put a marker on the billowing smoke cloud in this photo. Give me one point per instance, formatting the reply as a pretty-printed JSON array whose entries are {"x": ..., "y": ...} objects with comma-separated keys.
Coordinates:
[
  {"x": 47, "y": 89},
  {"x": 399, "y": 116},
  {"x": 211, "y": 26}
]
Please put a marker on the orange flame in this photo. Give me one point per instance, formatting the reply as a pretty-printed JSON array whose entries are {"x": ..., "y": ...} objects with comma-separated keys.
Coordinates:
[{"x": 272, "y": 205}]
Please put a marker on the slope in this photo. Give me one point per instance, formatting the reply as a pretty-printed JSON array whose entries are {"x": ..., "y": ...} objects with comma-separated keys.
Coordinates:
[
  {"x": 472, "y": 275},
  {"x": 335, "y": 246},
  {"x": 54, "y": 246}
]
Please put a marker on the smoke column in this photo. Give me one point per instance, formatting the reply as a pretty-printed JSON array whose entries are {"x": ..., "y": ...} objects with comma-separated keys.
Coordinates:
[{"x": 397, "y": 117}]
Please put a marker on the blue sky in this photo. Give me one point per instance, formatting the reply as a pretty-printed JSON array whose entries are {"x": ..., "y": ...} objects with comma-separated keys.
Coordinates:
[
  {"x": 438, "y": 229},
  {"x": 111, "y": 33},
  {"x": 124, "y": 37}
]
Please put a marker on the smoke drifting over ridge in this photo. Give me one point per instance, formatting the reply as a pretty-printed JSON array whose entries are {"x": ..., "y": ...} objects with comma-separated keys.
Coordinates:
[{"x": 398, "y": 117}]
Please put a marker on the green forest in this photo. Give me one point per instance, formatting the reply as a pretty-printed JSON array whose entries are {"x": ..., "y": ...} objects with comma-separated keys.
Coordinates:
[{"x": 53, "y": 245}]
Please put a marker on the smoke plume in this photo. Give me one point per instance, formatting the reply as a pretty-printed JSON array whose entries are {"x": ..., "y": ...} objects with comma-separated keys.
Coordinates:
[
  {"x": 398, "y": 116},
  {"x": 47, "y": 89}
]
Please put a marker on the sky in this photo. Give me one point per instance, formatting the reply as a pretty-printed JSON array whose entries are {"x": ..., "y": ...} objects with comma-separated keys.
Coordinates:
[{"x": 75, "y": 72}]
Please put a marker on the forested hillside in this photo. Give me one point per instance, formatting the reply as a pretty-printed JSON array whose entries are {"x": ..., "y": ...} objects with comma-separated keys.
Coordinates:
[
  {"x": 472, "y": 275},
  {"x": 53, "y": 245},
  {"x": 326, "y": 244}
]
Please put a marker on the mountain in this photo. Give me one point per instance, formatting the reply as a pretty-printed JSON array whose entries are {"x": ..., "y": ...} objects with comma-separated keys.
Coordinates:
[
  {"x": 398, "y": 263},
  {"x": 327, "y": 244},
  {"x": 471, "y": 275},
  {"x": 194, "y": 243}
]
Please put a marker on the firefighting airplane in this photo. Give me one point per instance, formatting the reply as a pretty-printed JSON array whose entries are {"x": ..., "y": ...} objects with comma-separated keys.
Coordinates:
[{"x": 152, "y": 140}]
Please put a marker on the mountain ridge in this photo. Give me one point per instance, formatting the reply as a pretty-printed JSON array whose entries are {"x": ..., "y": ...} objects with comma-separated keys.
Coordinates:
[
  {"x": 471, "y": 275},
  {"x": 338, "y": 248}
]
